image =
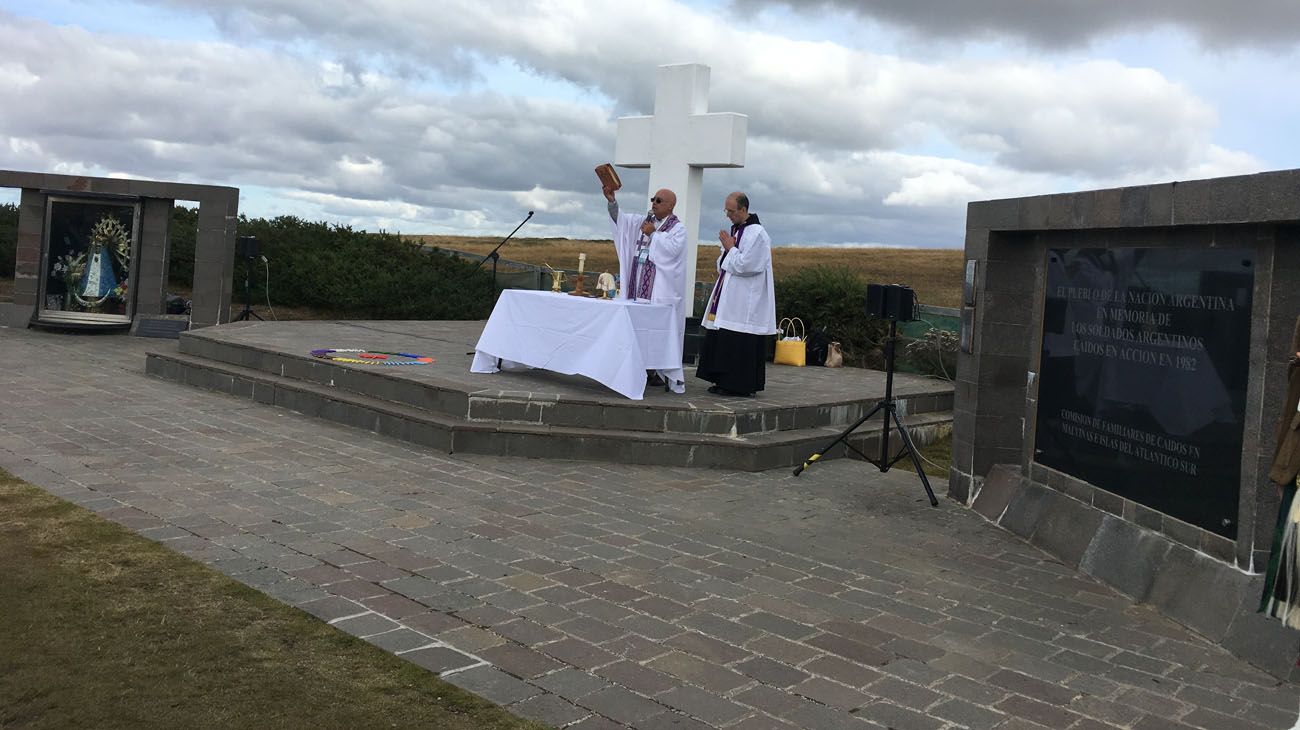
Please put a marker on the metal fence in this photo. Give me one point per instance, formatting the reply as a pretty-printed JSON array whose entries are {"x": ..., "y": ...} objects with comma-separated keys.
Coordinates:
[{"x": 519, "y": 275}]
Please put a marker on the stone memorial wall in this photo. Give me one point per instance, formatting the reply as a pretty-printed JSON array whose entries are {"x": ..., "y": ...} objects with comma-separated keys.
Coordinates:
[
  {"x": 57, "y": 214},
  {"x": 1122, "y": 370}
]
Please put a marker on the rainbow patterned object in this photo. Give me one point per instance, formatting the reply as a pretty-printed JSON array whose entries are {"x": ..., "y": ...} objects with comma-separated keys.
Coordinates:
[{"x": 371, "y": 357}]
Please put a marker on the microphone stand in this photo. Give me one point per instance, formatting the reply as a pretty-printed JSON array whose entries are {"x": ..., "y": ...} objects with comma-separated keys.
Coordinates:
[{"x": 494, "y": 255}]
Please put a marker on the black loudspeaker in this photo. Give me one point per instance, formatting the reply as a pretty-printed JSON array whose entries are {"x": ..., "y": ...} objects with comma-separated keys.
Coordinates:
[
  {"x": 247, "y": 247},
  {"x": 891, "y": 301}
]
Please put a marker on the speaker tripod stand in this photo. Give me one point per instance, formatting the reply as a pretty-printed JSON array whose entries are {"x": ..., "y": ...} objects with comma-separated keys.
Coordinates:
[
  {"x": 248, "y": 295},
  {"x": 889, "y": 414}
]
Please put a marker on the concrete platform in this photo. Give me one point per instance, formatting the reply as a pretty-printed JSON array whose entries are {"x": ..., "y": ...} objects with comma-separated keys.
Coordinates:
[{"x": 538, "y": 413}]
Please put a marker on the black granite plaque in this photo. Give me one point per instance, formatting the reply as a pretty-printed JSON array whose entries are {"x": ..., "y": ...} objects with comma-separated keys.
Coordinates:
[{"x": 1142, "y": 387}]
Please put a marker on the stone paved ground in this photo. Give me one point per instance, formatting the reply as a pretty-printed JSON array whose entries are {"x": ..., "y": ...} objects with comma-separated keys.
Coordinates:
[{"x": 597, "y": 596}]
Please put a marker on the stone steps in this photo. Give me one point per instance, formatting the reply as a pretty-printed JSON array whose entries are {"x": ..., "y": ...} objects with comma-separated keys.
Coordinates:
[
  {"x": 513, "y": 423},
  {"x": 458, "y": 399}
]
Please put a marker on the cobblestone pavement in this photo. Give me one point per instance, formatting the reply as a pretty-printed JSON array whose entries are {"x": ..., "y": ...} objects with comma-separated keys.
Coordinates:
[{"x": 598, "y": 596}]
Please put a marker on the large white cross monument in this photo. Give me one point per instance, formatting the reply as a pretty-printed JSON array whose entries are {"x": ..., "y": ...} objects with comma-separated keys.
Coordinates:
[{"x": 677, "y": 143}]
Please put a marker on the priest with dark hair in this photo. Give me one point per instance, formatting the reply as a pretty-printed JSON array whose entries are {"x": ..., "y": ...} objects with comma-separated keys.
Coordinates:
[{"x": 741, "y": 313}]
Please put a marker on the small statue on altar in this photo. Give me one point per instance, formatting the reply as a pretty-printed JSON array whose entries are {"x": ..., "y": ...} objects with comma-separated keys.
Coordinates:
[{"x": 605, "y": 285}]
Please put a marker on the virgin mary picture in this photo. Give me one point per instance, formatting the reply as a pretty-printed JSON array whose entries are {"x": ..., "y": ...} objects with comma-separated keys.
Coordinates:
[{"x": 95, "y": 264}]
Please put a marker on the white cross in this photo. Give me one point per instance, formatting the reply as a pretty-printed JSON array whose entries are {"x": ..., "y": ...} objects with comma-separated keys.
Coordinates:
[{"x": 678, "y": 142}]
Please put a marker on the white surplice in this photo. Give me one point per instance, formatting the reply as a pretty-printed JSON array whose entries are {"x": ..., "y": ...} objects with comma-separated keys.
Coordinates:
[
  {"x": 747, "y": 302},
  {"x": 668, "y": 253}
]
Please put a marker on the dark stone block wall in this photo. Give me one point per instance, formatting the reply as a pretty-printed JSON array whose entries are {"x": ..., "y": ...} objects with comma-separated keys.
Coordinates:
[{"x": 1138, "y": 550}]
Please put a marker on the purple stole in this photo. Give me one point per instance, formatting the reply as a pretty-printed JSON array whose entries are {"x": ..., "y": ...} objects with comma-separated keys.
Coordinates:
[
  {"x": 643, "y": 277},
  {"x": 736, "y": 232}
]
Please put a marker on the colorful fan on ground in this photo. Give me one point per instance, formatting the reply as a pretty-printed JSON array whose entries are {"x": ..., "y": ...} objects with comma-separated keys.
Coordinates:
[{"x": 372, "y": 357}]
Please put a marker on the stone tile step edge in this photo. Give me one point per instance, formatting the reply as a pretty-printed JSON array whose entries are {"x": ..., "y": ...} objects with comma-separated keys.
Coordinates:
[
  {"x": 496, "y": 405},
  {"x": 756, "y": 452}
]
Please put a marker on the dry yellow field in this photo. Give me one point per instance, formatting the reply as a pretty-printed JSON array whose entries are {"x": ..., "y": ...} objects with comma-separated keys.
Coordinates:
[{"x": 935, "y": 274}]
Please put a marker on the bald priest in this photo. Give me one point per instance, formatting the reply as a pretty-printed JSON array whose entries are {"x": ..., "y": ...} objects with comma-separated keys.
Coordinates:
[{"x": 652, "y": 263}]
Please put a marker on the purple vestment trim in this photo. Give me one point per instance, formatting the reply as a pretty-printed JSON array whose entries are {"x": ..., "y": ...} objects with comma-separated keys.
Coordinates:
[
  {"x": 736, "y": 232},
  {"x": 645, "y": 280},
  {"x": 643, "y": 277}
]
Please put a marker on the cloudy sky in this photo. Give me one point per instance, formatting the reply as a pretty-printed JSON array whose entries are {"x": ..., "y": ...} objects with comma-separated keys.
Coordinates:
[{"x": 870, "y": 121}]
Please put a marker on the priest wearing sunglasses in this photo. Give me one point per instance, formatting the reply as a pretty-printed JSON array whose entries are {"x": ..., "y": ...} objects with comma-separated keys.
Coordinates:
[{"x": 652, "y": 262}]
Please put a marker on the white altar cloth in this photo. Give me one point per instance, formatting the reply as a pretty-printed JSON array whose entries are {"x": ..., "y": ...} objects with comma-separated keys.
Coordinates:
[{"x": 613, "y": 342}]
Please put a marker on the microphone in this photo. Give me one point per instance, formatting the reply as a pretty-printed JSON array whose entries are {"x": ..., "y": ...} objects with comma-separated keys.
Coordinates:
[{"x": 530, "y": 215}]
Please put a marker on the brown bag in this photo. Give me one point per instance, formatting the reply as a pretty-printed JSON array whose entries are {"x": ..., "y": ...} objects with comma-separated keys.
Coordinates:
[
  {"x": 790, "y": 347},
  {"x": 834, "y": 358}
]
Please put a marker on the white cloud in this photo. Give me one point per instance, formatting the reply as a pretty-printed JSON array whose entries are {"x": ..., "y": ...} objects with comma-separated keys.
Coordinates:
[
  {"x": 358, "y": 208},
  {"x": 549, "y": 201},
  {"x": 1051, "y": 23},
  {"x": 939, "y": 187},
  {"x": 366, "y": 167},
  {"x": 1076, "y": 118},
  {"x": 338, "y": 103},
  {"x": 14, "y": 77}
]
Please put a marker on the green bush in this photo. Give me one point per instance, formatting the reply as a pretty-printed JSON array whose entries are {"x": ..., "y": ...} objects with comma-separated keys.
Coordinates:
[
  {"x": 8, "y": 239},
  {"x": 835, "y": 299},
  {"x": 181, "y": 237},
  {"x": 934, "y": 354},
  {"x": 334, "y": 269},
  {"x": 361, "y": 275}
]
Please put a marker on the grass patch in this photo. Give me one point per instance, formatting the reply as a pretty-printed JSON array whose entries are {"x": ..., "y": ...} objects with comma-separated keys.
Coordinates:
[
  {"x": 937, "y": 457},
  {"x": 106, "y": 629}
]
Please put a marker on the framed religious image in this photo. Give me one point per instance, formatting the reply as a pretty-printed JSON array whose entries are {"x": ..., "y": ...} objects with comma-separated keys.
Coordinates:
[{"x": 86, "y": 260}]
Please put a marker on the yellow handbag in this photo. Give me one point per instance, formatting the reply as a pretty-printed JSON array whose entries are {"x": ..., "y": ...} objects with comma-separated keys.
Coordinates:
[{"x": 790, "y": 348}]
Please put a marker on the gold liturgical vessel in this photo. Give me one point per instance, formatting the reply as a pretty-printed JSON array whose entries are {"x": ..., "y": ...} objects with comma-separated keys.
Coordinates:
[{"x": 557, "y": 278}]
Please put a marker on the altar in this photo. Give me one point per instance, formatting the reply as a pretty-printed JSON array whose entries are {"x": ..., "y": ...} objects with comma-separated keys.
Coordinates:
[{"x": 611, "y": 341}]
